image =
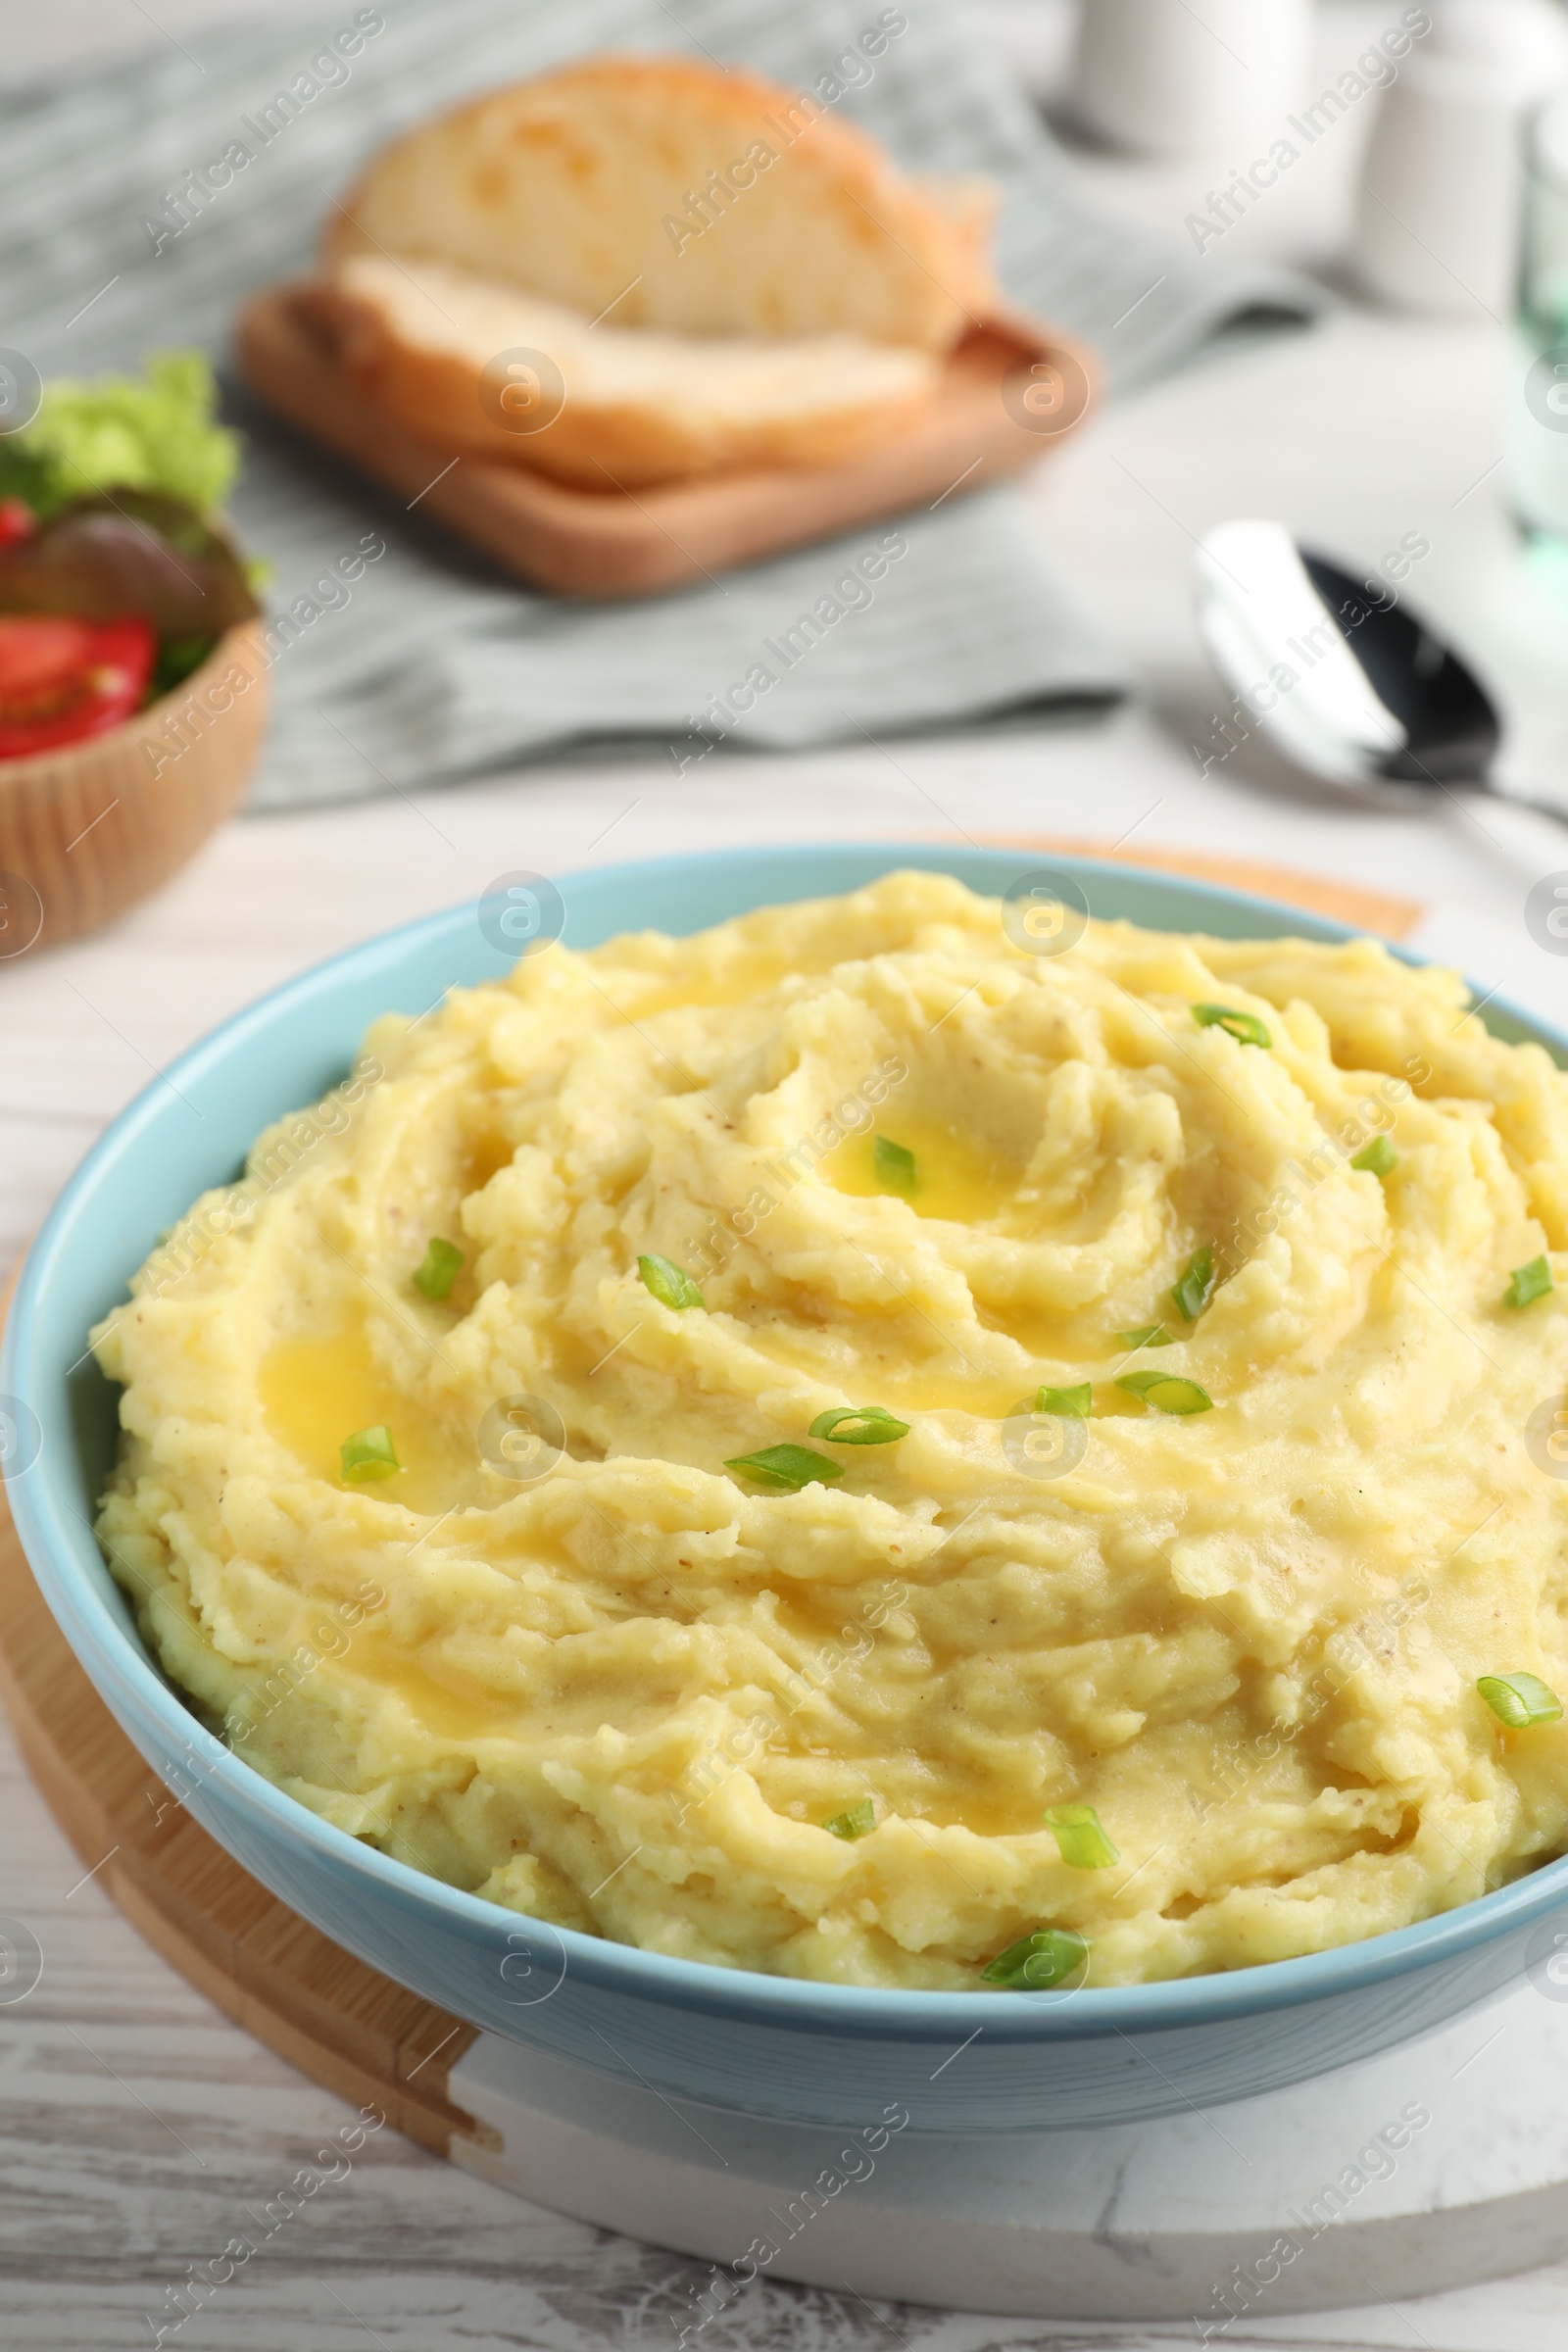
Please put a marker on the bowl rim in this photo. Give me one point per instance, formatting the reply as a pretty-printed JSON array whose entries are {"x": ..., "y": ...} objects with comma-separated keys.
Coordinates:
[{"x": 109, "y": 1650}]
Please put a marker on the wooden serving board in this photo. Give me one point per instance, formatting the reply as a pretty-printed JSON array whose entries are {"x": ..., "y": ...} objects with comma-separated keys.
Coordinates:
[
  {"x": 339, "y": 2021},
  {"x": 612, "y": 543}
]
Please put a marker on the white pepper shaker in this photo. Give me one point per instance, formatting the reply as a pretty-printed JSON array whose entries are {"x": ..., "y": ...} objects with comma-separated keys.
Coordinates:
[
  {"x": 1172, "y": 78},
  {"x": 1443, "y": 183}
]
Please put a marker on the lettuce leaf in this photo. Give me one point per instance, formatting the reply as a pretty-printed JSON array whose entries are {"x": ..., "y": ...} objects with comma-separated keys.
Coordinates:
[{"x": 157, "y": 432}]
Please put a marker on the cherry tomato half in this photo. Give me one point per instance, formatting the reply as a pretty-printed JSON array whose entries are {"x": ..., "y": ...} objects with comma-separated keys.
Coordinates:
[{"x": 62, "y": 680}]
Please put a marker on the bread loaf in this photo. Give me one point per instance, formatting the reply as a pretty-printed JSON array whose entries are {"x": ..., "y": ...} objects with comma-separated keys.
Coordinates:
[{"x": 679, "y": 198}]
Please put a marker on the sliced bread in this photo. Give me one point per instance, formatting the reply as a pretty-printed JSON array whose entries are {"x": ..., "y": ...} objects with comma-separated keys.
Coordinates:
[
  {"x": 468, "y": 363},
  {"x": 679, "y": 198}
]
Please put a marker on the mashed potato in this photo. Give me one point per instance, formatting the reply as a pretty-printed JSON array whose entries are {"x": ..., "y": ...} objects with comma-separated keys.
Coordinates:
[{"x": 570, "y": 1655}]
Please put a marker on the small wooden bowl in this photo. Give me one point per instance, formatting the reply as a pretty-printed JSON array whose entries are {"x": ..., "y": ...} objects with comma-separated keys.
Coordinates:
[{"x": 88, "y": 831}]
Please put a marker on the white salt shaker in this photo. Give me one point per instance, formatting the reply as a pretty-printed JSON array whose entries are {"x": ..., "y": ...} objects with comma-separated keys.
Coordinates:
[
  {"x": 1441, "y": 186},
  {"x": 1173, "y": 79}
]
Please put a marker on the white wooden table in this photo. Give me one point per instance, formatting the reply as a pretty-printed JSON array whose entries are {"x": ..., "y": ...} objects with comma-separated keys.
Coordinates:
[{"x": 136, "y": 2123}]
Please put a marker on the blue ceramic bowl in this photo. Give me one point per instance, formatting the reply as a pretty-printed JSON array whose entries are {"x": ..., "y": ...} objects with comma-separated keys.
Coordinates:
[{"x": 814, "y": 2053}]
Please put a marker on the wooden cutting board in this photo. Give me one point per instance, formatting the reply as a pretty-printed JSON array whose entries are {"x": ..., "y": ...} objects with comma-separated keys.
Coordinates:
[
  {"x": 339, "y": 2021},
  {"x": 1011, "y": 392}
]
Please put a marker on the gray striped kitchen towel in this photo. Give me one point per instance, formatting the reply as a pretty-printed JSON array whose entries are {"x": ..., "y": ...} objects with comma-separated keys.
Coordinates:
[{"x": 423, "y": 664}]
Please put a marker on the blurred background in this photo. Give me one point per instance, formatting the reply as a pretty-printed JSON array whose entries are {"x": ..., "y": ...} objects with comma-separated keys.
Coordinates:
[{"x": 1421, "y": 356}]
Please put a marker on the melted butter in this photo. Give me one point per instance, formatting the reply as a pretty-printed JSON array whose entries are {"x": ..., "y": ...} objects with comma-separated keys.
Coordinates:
[
  {"x": 740, "y": 983},
  {"x": 316, "y": 1392},
  {"x": 988, "y": 1399},
  {"x": 485, "y": 1158},
  {"x": 954, "y": 1178}
]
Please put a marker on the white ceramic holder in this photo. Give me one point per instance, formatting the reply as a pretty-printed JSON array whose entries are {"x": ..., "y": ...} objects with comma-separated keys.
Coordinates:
[
  {"x": 1169, "y": 79},
  {"x": 1437, "y": 2165},
  {"x": 1441, "y": 186}
]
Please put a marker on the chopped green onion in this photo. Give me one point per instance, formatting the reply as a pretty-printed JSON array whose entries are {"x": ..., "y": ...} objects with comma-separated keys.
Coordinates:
[
  {"x": 1037, "y": 1962},
  {"x": 435, "y": 1275},
  {"x": 668, "y": 1283},
  {"x": 1244, "y": 1027},
  {"x": 1520, "y": 1700},
  {"x": 1197, "y": 1286},
  {"x": 370, "y": 1453},
  {"x": 1152, "y": 1334},
  {"x": 859, "y": 1425},
  {"x": 1527, "y": 1284},
  {"x": 894, "y": 1166},
  {"x": 1166, "y": 1393},
  {"x": 855, "y": 1822},
  {"x": 1071, "y": 1404},
  {"x": 787, "y": 1467},
  {"x": 1380, "y": 1158},
  {"x": 1082, "y": 1842}
]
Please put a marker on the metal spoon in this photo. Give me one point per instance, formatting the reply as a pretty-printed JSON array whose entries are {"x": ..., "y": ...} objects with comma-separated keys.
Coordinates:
[{"x": 1341, "y": 674}]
